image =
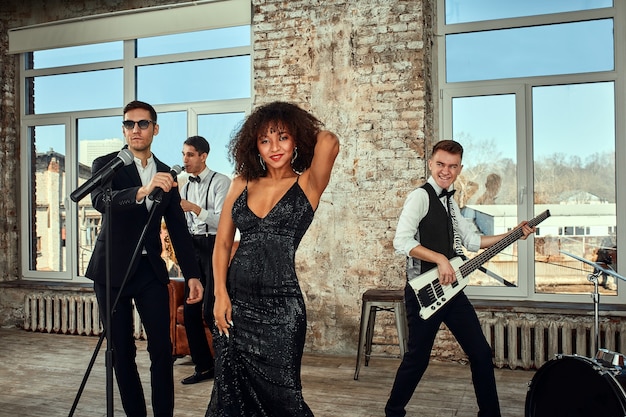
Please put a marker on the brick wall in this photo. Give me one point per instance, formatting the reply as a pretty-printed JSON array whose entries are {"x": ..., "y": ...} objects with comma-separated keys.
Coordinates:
[
  {"x": 9, "y": 167},
  {"x": 361, "y": 67},
  {"x": 358, "y": 66}
]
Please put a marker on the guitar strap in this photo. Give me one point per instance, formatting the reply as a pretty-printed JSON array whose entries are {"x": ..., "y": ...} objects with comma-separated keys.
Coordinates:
[{"x": 457, "y": 246}]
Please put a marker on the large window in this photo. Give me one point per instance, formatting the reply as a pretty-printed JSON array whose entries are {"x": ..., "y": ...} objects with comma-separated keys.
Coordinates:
[
  {"x": 532, "y": 91},
  {"x": 198, "y": 78}
]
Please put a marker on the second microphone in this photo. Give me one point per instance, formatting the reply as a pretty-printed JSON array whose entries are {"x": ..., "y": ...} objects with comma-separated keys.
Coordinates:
[{"x": 157, "y": 193}]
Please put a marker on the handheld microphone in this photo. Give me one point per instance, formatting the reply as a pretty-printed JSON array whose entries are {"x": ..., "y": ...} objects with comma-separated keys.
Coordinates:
[
  {"x": 123, "y": 158},
  {"x": 158, "y": 191}
]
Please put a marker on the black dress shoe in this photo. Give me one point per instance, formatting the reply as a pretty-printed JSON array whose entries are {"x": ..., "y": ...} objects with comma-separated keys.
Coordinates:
[{"x": 199, "y": 377}]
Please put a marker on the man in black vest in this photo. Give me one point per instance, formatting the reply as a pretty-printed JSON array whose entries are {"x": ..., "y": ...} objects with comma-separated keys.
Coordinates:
[
  {"x": 429, "y": 237},
  {"x": 202, "y": 198}
]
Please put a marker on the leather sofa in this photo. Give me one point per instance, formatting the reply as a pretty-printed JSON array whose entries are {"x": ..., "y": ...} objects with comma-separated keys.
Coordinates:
[{"x": 178, "y": 334}]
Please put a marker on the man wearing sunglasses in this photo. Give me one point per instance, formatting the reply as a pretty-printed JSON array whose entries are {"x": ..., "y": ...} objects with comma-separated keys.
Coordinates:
[{"x": 147, "y": 280}]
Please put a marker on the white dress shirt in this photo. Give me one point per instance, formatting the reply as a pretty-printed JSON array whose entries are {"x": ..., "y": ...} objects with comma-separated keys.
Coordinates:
[
  {"x": 146, "y": 173},
  {"x": 209, "y": 194}
]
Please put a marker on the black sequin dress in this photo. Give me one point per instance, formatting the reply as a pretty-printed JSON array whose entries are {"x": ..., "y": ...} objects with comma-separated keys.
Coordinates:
[{"x": 258, "y": 366}]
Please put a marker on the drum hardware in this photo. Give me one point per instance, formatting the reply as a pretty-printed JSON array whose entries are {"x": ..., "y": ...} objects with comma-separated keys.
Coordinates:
[
  {"x": 610, "y": 358},
  {"x": 555, "y": 390},
  {"x": 595, "y": 295}
]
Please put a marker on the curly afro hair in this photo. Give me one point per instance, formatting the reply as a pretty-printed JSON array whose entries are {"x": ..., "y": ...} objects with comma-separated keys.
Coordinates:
[{"x": 303, "y": 126}]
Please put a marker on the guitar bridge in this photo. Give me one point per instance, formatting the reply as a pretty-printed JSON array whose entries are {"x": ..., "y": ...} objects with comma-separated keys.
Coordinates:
[{"x": 429, "y": 294}]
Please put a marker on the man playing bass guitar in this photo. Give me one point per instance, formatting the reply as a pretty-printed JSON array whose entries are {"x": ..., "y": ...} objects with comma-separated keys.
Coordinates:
[{"x": 429, "y": 237}]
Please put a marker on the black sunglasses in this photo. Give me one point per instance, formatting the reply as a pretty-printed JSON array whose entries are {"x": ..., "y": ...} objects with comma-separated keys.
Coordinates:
[{"x": 130, "y": 124}]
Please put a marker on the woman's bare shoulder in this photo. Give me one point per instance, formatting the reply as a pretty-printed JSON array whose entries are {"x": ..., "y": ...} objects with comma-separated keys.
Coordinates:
[{"x": 237, "y": 185}]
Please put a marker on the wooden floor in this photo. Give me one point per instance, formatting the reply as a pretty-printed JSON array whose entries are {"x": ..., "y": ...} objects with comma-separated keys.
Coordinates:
[{"x": 40, "y": 375}]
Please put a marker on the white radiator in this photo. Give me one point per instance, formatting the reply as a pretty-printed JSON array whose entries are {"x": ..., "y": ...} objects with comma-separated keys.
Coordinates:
[
  {"x": 67, "y": 314},
  {"x": 528, "y": 341}
]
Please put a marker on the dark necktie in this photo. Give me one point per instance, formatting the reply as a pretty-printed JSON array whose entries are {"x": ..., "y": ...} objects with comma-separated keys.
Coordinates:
[{"x": 194, "y": 179}]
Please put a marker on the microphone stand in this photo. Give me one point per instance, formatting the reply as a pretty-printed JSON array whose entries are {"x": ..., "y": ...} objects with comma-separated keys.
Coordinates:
[
  {"x": 108, "y": 362},
  {"x": 110, "y": 308}
]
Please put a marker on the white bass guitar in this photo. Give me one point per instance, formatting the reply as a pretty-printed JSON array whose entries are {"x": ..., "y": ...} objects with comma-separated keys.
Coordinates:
[{"x": 431, "y": 295}]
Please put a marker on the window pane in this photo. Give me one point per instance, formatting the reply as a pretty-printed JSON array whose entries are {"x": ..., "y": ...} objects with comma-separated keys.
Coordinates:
[
  {"x": 209, "y": 79},
  {"x": 46, "y": 199},
  {"x": 487, "y": 185},
  {"x": 530, "y": 51},
  {"x": 77, "y": 91},
  {"x": 194, "y": 41},
  {"x": 574, "y": 176},
  {"x": 218, "y": 130},
  {"x": 460, "y": 11},
  {"x": 96, "y": 137},
  {"x": 168, "y": 144},
  {"x": 75, "y": 55}
]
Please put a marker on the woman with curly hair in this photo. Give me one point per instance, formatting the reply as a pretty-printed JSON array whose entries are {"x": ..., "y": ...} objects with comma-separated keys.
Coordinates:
[{"x": 283, "y": 161}]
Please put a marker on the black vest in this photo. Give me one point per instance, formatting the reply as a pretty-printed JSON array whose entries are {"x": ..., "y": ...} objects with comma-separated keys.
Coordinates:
[{"x": 434, "y": 232}]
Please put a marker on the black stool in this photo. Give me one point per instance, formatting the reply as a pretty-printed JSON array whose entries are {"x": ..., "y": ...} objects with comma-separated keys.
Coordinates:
[{"x": 375, "y": 300}]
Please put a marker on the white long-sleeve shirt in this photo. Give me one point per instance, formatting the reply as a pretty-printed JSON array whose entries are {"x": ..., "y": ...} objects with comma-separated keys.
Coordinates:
[{"x": 209, "y": 194}]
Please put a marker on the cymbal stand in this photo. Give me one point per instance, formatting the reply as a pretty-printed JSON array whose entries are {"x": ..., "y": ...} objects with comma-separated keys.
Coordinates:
[
  {"x": 595, "y": 296},
  {"x": 593, "y": 277}
]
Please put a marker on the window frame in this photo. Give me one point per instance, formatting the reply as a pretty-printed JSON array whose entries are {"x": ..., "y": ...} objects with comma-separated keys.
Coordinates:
[
  {"x": 522, "y": 88},
  {"x": 42, "y": 33}
]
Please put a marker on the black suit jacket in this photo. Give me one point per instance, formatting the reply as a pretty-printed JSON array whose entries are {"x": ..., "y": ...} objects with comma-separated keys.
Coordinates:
[{"x": 127, "y": 222}]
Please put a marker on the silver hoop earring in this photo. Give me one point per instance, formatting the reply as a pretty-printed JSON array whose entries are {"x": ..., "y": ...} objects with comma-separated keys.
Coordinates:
[
  {"x": 262, "y": 162},
  {"x": 295, "y": 155}
]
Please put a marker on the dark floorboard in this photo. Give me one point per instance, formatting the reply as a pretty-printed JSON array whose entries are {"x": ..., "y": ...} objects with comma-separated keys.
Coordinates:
[{"x": 40, "y": 375}]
